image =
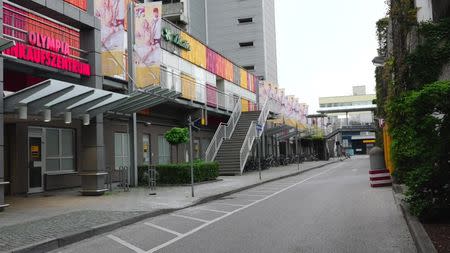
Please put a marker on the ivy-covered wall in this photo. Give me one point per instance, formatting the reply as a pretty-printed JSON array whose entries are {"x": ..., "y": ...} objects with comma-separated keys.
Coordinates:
[{"x": 415, "y": 106}]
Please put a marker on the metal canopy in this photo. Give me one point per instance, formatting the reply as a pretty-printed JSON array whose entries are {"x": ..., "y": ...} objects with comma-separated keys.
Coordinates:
[
  {"x": 60, "y": 97},
  {"x": 142, "y": 99}
]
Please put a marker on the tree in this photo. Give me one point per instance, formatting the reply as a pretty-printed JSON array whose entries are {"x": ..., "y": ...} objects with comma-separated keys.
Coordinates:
[{"x": 176, "y": 136}]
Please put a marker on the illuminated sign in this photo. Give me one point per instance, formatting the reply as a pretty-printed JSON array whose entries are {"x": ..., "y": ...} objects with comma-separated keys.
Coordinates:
[
  {"x": 175, "y": 38},
  {"x": 50, "y": 52},
  {"x": 43, "y": 41},
  {"x": 48, "y": 58}
]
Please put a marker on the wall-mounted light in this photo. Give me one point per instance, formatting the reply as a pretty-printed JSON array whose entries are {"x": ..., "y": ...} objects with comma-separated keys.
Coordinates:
[
  {"x": 67, "y": 117},
  {"x": 86, "y": 119},
  {"x": 23, "y": 112},
  {"x": 47, "y": 115}
]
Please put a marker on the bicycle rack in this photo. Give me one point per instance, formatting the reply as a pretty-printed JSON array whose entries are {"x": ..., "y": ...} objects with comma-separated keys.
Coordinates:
[
  {"x": 124, "y": 178},
  {"x": 151, "y": 173}
]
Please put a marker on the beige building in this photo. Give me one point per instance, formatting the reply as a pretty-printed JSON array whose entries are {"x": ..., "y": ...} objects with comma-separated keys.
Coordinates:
[{"x": 349, "y": 110}]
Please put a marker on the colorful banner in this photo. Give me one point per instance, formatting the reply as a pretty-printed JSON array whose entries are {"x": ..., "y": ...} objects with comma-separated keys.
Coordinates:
[
  {"x": 112, "y": 17},
  {"x": 147, "y": 48}
]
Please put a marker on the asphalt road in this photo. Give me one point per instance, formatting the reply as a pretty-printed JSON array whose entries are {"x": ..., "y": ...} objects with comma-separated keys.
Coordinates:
[{"x": 331, "y": 209}]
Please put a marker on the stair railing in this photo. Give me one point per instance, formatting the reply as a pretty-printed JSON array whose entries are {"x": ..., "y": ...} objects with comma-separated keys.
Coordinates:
[
  {"x": 224, "y": 131},
  {"x": 252, "y": 133}
]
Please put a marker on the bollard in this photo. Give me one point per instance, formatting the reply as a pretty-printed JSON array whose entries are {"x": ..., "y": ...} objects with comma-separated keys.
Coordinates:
[{"x": 378, "y": 174}]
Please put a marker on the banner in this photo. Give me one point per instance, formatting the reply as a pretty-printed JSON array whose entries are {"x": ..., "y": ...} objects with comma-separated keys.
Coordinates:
[
  {"x": 112, "y": 17},
  {"x": 147, "y": 48}
]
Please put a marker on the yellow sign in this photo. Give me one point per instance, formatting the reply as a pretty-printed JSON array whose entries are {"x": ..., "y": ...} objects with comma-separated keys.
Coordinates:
[{"x": 368, "y": 141}]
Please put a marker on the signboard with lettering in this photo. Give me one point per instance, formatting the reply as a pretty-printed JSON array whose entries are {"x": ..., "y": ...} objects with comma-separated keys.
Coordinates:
[{"x": 42, "y": 41}]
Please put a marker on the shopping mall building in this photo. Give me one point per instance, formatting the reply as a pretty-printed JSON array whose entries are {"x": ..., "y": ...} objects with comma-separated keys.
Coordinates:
[{"x": 71, "y": 114}]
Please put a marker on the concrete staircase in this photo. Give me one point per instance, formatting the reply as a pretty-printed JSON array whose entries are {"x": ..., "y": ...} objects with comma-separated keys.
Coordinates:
[{"x": 228, "y": 155}]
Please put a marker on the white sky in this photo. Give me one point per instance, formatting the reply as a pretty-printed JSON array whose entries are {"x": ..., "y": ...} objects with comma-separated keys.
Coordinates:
[{"x": 324, "y": 47}]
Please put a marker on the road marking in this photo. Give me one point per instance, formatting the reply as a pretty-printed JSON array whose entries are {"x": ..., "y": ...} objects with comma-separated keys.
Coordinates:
[
  {"x": 163, "y": 229},
  {"x": 189, "y": 217},
  {"x": 262, "y": 191},
  {"x": 126, "y": 244},
  {"x": 227, "y": 204},
  {"x": 211, "y": 210},
  {"x": 230, "y": 213},
  {"x": 251, "y": 195}
]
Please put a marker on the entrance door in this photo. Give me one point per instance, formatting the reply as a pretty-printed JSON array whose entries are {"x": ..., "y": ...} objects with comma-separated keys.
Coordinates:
[
  {"x": 146, "y": 149},
  {"x": 35, "y": 166}
]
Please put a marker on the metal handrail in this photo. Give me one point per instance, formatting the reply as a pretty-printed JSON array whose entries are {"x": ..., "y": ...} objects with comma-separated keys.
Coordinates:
[
  {"x": 252, "y": 133},
  {"x": 224, "y": 131}
]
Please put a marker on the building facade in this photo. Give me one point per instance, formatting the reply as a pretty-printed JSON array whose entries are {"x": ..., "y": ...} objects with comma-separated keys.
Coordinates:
[
  {"x": 245, "y": 31},
  {"x": 350, "y": 121},
  {"x": 70, "y": 115}
]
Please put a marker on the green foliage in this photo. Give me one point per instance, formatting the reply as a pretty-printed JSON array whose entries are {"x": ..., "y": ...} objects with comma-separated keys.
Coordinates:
[
  {"x": 420, "y": 147},
  {"x": 177, "y": 135},
  {"x": 382, "y": 35},
  {"x": 180, "y": 173},
  {"x": 427, "y": 60}
]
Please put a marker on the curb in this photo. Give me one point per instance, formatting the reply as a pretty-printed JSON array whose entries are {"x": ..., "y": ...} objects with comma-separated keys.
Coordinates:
[
  {"x": 420, "y": 236},
  {"x": 55, "y": 243}
]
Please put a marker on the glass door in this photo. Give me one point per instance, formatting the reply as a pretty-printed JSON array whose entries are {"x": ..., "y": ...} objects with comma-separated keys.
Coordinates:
[
  {"x": 35, "y": 164},
  {"x": 146, "y": 149}
]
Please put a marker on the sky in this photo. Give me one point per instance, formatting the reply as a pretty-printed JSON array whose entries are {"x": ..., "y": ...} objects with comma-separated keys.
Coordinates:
[{"x": 325, "y": 47}]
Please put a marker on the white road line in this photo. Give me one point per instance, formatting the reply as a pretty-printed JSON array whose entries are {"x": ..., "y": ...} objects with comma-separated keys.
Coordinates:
[
  {"x": 189, "y": 217},
  {"x": 231, "y": 213},
  {"x": 211, "y": 210},
  {"x": 251, "y": 195},
  {"x": 228, "y": 204},
  {"x": 126, "y": 244},
  {"x": 163, "y": 229}
]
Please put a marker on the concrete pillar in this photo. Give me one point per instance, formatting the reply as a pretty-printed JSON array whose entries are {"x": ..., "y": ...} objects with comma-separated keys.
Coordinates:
[{"x": 92, "y": 169}]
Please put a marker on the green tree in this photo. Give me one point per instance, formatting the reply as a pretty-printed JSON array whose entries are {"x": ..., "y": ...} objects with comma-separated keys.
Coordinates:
[{"x": 176, "y": 136}]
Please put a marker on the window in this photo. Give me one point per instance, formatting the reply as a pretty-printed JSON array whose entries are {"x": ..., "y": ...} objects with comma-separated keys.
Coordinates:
[
  {"x": 246, "y": 44},
  {"x": 163, "y": 150},
  {"x": 249, "y": 67},
  {"x": 121, "y": 150},
  {"x": 245, "y": 20},
  {"x": 59, "y": 155}
]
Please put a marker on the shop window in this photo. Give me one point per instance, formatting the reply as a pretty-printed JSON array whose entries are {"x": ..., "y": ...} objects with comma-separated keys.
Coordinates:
[
  {"x": 163, "y": 150},
  {"x": 59, "y": 150},
  {"x": 121, "y": 150}
]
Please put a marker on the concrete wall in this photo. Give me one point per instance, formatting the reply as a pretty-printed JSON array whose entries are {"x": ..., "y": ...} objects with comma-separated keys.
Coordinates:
[
  {"x": 224, "y": 32},
  {"x": 270, "y": 42},
  {"x": 197, "y": 19}
]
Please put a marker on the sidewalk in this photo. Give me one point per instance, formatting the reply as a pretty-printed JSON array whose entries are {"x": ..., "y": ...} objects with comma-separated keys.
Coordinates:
[{"x": 64, "y": 217}]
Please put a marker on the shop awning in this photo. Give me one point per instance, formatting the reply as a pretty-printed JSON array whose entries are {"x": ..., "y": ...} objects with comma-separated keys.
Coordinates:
[{"x": 53, "y": 98}]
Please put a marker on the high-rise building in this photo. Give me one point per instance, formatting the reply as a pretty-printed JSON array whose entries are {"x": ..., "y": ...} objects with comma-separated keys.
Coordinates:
[{"x": 245, "y": 32}]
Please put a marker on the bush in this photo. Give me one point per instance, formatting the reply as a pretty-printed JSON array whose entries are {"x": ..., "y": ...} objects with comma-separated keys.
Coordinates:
[
  {"x": 420, "y": 148},
  {"x": 181, "y": 173}
]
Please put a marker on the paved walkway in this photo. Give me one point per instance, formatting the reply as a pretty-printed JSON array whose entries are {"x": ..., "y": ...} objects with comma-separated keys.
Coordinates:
[{"x": 31, "y": 220}]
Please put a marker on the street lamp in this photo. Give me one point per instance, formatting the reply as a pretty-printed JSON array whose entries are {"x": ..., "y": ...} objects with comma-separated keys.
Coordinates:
[{"x": 379, "y": 61}]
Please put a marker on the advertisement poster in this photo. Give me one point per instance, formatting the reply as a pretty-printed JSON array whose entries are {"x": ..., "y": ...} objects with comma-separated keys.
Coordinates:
[
  {"x": 112, "y": 17},
  {"x": 147, "y": 48}
]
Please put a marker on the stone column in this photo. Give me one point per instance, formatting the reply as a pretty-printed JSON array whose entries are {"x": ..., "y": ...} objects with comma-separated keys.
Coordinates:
[{"x": 92, "y": 169}]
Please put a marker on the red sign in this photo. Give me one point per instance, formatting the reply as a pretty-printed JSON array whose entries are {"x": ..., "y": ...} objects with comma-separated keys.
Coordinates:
[
  {"x": 43, "y": 41},
  {"x": 47, "y": 58}
]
